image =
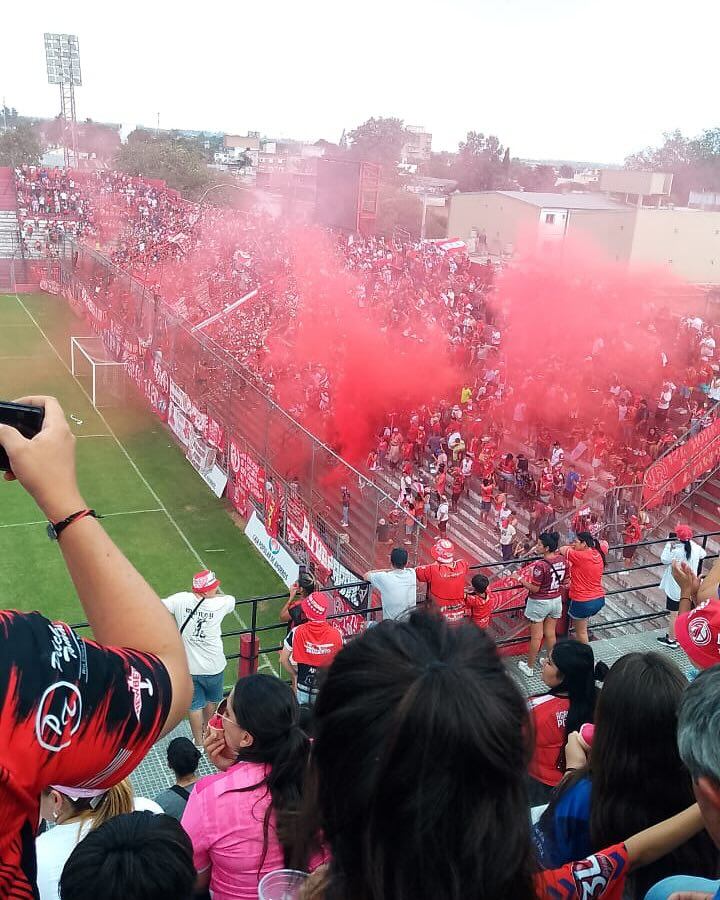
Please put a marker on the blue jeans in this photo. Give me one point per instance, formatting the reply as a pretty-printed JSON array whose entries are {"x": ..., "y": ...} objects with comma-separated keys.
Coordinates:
[{"x": 677, "y": 883}]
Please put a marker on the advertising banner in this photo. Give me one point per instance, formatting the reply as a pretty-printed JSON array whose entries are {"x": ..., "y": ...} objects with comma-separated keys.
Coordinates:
[
  {"x": 682, "y": 466},
  {"x": 272, "y": 550}
]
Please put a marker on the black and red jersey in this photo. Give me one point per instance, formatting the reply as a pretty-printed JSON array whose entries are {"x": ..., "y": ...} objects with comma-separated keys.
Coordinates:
[{"x": 73, "y": 713}]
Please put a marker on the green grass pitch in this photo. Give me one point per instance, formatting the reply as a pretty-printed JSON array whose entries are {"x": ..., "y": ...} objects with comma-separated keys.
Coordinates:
[{"x": 159, "y": 511}]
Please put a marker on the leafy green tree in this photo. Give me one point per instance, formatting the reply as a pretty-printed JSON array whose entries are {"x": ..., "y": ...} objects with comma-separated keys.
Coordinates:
[
  {"x": 20, "y": 146},
  {"x": 480, "y": 165},
  {"x": 379, "y": 140},
  {"x": 183, "y": 169},
  {"x": 694, "y": 162}
]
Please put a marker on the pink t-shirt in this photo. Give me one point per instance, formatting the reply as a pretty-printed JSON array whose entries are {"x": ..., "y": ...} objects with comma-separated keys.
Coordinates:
[{"x": 225, "y": 825}]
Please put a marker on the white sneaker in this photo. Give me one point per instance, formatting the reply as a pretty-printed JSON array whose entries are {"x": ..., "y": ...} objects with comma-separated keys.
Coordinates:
[{"x": 525, "y": 669}]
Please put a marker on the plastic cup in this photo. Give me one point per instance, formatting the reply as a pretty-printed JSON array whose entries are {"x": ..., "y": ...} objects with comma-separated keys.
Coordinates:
[{"x": 283, "y": 884}]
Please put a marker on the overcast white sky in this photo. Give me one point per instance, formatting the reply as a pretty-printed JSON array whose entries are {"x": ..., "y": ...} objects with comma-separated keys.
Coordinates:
[{"x": 572, "y": 79}]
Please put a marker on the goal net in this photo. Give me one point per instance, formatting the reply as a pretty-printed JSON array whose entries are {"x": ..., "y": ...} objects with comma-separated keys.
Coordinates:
[{"x": 103, "y": 378}]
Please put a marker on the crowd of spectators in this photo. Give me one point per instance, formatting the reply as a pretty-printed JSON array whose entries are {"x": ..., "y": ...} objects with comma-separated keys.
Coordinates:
[
  {"x": 51, "y": 204},
  {"x": 426, "y": 763},
  {"x": 533, "y": 439}
]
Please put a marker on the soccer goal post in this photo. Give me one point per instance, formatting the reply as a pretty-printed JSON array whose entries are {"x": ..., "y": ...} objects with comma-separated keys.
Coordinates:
[{"x": 103, "y": 378}]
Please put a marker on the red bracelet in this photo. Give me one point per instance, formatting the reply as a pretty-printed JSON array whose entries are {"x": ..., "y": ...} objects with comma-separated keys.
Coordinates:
[{"x": 54, "y": 530}]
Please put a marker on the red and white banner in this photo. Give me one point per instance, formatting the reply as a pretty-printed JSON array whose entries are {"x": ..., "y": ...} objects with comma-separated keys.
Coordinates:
[
  {"x": 238, "y": 496},
  {"x": 179, "y": 398},
  {"x": 247, "y": 472},
  {"x": 180, "y": 425},
  {"x": 682, "y": 466}
]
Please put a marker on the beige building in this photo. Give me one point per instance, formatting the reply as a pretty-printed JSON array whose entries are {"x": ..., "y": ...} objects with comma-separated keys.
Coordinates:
[{"x": 499, "y": 223}]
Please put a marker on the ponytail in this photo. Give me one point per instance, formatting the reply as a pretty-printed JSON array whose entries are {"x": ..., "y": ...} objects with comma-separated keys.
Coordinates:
[
  {"x": 592, "y": 542},
  {"x": 96, "y": 811},
  {"x": 117, "y": 801},
  {"x": 688, "y": 549},
  {"x": 266, "y": 707}
]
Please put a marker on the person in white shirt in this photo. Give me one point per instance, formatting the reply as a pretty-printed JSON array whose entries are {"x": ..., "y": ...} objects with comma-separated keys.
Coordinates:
[
  {"x": 680, "y": 548},
  {"x": 507, "y": 536},
  {"x": 74, "y": 813},
  {"x": 442, "y": 514},
  {"x": 397, "y": 586},
  {"x": 199, "y": 615},
  {"x": 557, "y": 456}
]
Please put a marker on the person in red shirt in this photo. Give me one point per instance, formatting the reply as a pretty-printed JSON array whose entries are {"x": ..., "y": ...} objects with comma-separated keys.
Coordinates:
[
  {"x": 445, "y": 580},
  {"x": 441, "y": 481},
  {"x": 631, "y": 536},
  {"x": 586, "y": 558},
  {"x": 311, "y": 647},
  {"x": 479, "y": 603},
  {"x": 457, "y": 487},
  {"x": 487, "y": 489},
  {"x": 569, "y": 673},
  {"x": 75, "y": 711},
  {"x": 580, "y": 491},
  {"x": 422, "y": 703}
]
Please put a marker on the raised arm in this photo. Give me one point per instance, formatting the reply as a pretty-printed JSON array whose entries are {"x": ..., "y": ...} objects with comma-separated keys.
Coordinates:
[
  {"x": 658, "y": 840},
  {"x": 122, "y": 608}
]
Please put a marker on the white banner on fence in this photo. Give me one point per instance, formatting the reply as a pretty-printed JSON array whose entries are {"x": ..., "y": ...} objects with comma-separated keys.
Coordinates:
[
  {"x": 215, "y": 479},
  {"x": 272, "y": 551}
]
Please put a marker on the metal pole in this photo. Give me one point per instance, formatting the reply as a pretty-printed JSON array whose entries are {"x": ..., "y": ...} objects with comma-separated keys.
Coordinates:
[{"x": 424, "y": 218}]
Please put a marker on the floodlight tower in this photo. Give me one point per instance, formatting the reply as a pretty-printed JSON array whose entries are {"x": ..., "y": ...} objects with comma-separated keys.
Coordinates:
[{"x": 62, "y": 53}]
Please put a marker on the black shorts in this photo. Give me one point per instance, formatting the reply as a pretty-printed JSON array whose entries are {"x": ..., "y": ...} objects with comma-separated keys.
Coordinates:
[{"x": 671, "y": 605}]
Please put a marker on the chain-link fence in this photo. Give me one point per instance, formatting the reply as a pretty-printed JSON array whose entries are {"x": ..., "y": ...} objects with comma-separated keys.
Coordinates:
[{"x": 331, "y": 516}]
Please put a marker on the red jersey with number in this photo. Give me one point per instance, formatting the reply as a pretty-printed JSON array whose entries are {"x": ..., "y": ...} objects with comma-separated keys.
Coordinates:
[
  {"x": 599, "y": 877},
  {"x": 549, "y": 715},
  {"x": 73, "y": 713}
]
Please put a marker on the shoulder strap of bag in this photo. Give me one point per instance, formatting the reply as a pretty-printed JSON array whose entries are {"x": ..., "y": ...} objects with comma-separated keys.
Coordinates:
[
  {"x": 181, "y": 791},
  {"x": 184, "y": 624}
]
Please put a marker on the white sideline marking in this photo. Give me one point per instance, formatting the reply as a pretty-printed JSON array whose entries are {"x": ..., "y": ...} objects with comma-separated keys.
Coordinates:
[
  {"x": 91, "y": 435},
  {"x": 129, "y": 512},
  {"x": 161, "y": 505}
]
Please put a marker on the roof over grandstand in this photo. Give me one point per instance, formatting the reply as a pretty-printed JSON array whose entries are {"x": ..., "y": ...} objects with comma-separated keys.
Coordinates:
[{"x": 564, "y": 201}]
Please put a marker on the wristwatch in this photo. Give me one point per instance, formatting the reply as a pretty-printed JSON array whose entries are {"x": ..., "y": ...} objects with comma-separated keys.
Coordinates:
[{"x": 55, "y": 529}]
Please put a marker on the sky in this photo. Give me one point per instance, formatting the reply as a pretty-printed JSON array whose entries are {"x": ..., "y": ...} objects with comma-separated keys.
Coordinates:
[{"x": 553, "y": 79}]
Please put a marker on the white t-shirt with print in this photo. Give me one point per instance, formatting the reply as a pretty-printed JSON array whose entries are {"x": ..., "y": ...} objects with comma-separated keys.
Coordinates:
[
  {"x": 202, "y": 634},
  {"x": 507, "y": 533}
]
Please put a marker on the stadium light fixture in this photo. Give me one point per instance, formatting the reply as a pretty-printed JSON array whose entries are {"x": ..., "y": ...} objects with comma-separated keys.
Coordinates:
[{"x": 62, "y": 55}]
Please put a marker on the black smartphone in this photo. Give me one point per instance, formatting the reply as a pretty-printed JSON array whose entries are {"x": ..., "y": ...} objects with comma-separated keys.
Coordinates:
[
  {"x": 672, "y": 536},
  {"x": 27, "y": 419}
]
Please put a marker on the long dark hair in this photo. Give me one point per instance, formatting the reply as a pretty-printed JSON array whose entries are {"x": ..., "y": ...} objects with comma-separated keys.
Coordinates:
[
  {"x": 266, "y": 707},
  {"x": 576, "y": 663},
  {"x": 418, "y": 776},
  {"x": 636, "y": 772},
  {"x": 590, "y": 541}
]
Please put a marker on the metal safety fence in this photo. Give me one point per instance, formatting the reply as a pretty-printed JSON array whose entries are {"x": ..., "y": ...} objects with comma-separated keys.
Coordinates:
[{"x": 263, "y": 642}]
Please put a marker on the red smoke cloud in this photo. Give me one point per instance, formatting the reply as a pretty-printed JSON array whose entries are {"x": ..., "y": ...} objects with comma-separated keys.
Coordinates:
[
  {"x": 372, "y": 369},
  {"x": 575, "y": 320}
]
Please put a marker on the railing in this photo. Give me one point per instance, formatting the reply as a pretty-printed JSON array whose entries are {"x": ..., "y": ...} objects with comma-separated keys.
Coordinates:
[{"x": 261, "y": 641}]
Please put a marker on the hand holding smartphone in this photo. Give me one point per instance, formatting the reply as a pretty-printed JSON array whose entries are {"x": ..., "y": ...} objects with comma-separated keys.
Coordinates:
[
  {"x": 28, "y": 420},
  {"x": 39, "y": 452}
]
